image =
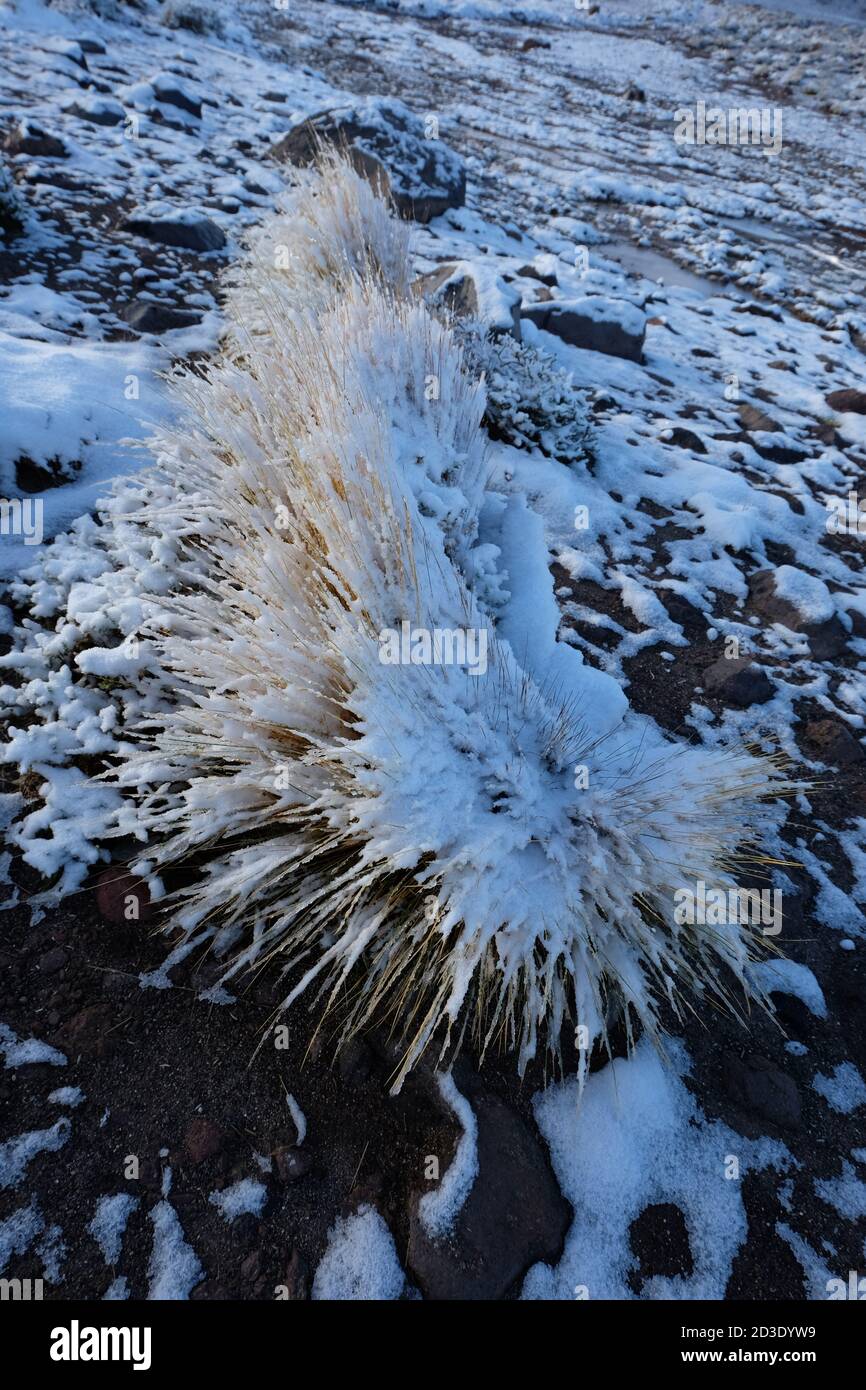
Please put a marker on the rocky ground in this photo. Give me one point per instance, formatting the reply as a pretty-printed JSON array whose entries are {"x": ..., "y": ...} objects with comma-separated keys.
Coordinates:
[{"x": 727, "y": 406}]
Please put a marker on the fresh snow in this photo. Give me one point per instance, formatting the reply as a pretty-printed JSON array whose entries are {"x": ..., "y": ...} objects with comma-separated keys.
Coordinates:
[
  {"x": 16, "y": 1154},
  {"x": 66, "y": 1095},
  {"x": 30, "y": 1051},
  {"x": 637, "y": 1137},
  {"x": 790, "y": 977},
  {"x": 360, "y": 1262},
  {"x": 245, "y": 1197},
  {"x": 844, "y": 1088},
  {"x": 174, "y": 1268},
  {"x": 109, "y": 1223},
  {"x": 439, "y": 1208},
  {"x": 299, "y": 1119}
]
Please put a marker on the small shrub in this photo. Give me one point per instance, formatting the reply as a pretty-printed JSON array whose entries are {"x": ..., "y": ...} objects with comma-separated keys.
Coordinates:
[{"x": 531, "y": 401}]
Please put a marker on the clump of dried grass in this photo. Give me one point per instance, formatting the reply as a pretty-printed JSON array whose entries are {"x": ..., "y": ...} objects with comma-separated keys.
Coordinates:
[{"x": 406, "y": 839}]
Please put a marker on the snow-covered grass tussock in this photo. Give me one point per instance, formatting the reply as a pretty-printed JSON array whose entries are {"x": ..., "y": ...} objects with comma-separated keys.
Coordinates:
[
  {"x": 406, "y": 838},
  {"x": 328, "y": 235}
]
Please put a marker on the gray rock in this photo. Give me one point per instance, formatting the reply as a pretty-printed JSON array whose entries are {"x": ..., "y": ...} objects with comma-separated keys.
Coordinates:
[
  {"x": 614, "y": 327},
  {"x": 779, "y": 448},
  {"x": 169, "y": 91},
  {"x": 473, "y": 290},
  {"x": 756, "y": 1085},
  {"x": 147, "y": 317},
  {"x": 28, "y": 137},
  {"x": 737, "y": 682},
  {"x": 191, "y": 232},
  {"x": 97, "y": 110},
  {"x": 829, "y": 741},
  {"x": 827, "y": 639},
  {"x": 531, "y": 272},
  {"x": 387, "y": 144},
  {"x": 514, "y": 1216}
]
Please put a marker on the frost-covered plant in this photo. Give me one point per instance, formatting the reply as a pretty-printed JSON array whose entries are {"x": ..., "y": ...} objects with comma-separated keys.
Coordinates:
[
  {"x": 531, "y": 400},
  {"x": 406, "y": 838},
  {"x": 335, "y": 232},
  {"x": 11, "y": 206}
]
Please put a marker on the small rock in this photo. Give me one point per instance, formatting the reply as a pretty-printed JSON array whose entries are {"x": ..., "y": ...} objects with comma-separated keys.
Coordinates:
[
  {"x": 251, "y": 1266},
  {"x": 683, "y": 439},
  {"x": 858, "y": 622},
  {"x": 690, "y": 619},
  {"x": 848, "y": 401},
  {"x": 86, "y": 1031},
  {"x": 736, "y": 681},
  {"x": 244, "y": 1230},
  {"x": 145, "y": 316},
  {"x": 827, "y": 639},
  {"x": 751, "y": 417},
  {"x": 614, "y": 327},
  {"x": 760, "y": 1087},
  {"x": 63, "y": 48},
  {"x": 28, "y": 137},
  {"x": 122, "y": 898},
  {"x": 203, "y": 1139},
  {"x": 190, "y": 231},
  {"x": 97, "y": 110},
  {"x": 355, "y": 1062},
  {"x": 531, "y": 272},
  {"x": 793, "y": 1014},
  {"x": 32, "y": 475},
  {"x": 171, "y": 92},
  {"x": 209, "y": 1291},
  {"x": 291, "y": 1163},
  {"x": 828, "y": 741},
  {"x": 53, "y": 961}
]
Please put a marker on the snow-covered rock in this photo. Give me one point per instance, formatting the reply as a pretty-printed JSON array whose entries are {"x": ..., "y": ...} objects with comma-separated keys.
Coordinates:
[
  {"x": 391, "y": 146},
  {"x": 612, "y": 326}
]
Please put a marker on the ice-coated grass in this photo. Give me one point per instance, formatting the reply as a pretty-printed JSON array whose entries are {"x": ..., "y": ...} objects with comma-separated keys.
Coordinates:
[{"x": 406, "y": 838}]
